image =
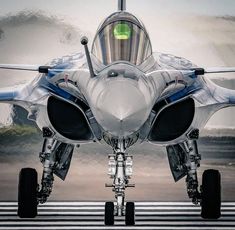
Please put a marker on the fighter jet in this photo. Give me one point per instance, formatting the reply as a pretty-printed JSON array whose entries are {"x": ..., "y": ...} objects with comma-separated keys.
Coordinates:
[{"x": 120, "y": 94}]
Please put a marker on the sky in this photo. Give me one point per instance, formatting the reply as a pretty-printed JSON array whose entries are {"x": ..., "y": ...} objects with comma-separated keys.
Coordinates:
[
  {"x": 78, "y": 10},
  {"x": 78, "y": 7}
]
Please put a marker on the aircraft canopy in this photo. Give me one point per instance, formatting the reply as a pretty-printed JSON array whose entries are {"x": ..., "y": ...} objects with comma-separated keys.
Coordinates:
[{"x": 122, "y": 38}]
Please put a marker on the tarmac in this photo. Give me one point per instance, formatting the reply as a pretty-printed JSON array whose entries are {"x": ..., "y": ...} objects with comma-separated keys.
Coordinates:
[{"x": 90, "y": 216}]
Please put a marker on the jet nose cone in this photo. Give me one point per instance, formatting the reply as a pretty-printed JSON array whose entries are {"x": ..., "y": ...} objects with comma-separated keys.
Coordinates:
[{"x": 121, "y": 109}]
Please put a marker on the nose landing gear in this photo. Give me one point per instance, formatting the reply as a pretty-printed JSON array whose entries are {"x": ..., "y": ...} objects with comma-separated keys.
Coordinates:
[
  {"x": 120, "y": 170},
  {"x": 109, "y": 213},
  {"x": 130, "y": 213}
]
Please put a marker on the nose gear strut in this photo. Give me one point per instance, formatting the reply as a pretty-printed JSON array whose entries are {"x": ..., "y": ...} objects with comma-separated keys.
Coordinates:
[{"x": 120, "y": 170}]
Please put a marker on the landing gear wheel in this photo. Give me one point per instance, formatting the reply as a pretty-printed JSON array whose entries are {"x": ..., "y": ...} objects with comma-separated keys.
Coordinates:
[
  {"x": 211, "y": 194},
  {"x": 109, "y": 213},
  {"x": 27, "y": 193},
  {"x": 130, "y": 213}
]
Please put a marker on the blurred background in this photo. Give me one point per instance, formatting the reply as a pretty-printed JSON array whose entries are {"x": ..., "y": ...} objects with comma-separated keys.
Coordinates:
[{"x": 34, "y": 32}]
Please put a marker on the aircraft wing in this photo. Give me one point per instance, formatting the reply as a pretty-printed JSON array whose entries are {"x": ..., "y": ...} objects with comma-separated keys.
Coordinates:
[
  {"x": 15, "y": 94},
  {"x": 7, "y": 94},
  {"x": 219, "y": 94},
  {"x": 220, "y": 70},
  {"x": 37, "y": 68},
  {"x": 19, "y": 67}
]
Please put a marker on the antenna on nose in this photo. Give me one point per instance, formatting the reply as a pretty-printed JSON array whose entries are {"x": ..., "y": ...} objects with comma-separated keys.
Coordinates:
[
  {"x": 121, "y": 5},
  {"x": 84, "y": 41}
]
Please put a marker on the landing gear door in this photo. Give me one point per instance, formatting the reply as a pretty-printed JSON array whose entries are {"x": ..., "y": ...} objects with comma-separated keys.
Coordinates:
[
  {"x": 177, "y": 160},
  {"x": 64, "y": 154}
]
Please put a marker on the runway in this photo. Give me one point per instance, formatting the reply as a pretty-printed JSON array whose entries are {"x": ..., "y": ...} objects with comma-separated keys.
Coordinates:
[{"x": 90, "y": 216}]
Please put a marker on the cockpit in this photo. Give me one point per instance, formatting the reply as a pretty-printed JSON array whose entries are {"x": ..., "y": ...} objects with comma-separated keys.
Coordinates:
[{"x": 122, "y": 37}]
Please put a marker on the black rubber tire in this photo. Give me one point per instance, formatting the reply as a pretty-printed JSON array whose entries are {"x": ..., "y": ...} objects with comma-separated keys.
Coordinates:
[
  {"x": 27, "y": 193},
  {"x": 211, "y": 194},
  {"x": 130, "y": 214},
  {"x": 109, "y": 214}
]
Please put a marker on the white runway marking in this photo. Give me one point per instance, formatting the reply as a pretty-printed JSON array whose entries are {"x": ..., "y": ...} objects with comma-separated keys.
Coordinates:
[{"x": 90, "y": 216}]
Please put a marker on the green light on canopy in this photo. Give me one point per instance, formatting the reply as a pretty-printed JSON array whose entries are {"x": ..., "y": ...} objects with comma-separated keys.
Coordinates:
[{"x": 122, "y": 31}]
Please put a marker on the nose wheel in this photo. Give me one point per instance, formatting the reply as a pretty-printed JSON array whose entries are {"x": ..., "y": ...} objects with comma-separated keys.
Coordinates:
[
  {"x": 110, "y": 213},
  {"x": 130, "y": 213}
]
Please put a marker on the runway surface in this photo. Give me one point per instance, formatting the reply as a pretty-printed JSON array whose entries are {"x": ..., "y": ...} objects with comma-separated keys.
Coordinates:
[{"x": 90, "y": 215}]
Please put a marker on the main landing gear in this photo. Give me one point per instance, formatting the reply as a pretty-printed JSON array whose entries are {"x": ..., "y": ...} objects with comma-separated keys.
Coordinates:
[
  {"x": 211, "y": 194},
  {"x": 27, "y": 193},
  {"x": 184, "y": 160},
  {"x": 120, "y": 170},
  {"x": 55, "y": 157}
]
